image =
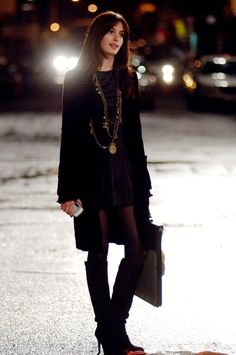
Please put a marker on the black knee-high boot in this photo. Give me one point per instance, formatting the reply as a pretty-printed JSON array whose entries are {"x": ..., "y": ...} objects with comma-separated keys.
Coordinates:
[
  {"x": 123, "y": 291},
  {"x": 98, "y": 286}
]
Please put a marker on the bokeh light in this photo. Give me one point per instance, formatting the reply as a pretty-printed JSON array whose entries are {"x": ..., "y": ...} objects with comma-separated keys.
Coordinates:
[
  {"x": 147, "y": 7},
  {"x": 92, "y": 8},
  {"x": 54, "y": 27}
]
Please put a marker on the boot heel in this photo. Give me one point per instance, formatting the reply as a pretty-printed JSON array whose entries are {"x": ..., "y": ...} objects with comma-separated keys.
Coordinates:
[{"x": 108, "y": 342}]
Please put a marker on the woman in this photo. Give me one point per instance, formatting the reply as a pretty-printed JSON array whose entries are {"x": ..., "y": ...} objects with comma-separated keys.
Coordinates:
[{"x": 103, "y": 168}]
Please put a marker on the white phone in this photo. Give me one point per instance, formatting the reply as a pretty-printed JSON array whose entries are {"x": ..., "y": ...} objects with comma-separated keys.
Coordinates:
[{"x": 77, "y": 210}]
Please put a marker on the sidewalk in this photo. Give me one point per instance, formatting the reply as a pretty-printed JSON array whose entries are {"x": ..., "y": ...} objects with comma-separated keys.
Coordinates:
[{"x": 44, "y": 303}]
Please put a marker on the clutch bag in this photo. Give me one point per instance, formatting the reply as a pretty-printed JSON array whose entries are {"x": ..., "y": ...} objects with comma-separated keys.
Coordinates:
[{"x": 150, "y": 284}]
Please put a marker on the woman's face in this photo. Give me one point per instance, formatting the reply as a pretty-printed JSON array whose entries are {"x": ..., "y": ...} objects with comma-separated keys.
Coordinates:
[{"x": 113, "y": 40}]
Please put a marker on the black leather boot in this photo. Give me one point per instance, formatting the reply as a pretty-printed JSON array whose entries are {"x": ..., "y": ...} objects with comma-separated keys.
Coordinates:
[
  {"x": 123, "y": 292},
  {"x": 97, "y": 279}
]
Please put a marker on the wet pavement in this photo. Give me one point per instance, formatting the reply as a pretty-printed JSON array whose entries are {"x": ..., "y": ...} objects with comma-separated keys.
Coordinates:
[{"x": 44, "y": 303}]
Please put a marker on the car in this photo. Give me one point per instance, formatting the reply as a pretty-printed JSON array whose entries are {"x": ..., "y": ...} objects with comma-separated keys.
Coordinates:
[
  {"x": 167, "y": 64},
  {"x": 147, "y": 81},
  {"x": 210, "y": 79}
]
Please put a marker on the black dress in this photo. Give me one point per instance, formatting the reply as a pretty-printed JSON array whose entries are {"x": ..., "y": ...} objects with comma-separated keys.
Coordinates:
[{"x": 117, "y": 185}]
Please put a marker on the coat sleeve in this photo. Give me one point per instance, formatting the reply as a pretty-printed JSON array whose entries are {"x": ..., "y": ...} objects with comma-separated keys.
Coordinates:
[{"x": 71, "y": 149}]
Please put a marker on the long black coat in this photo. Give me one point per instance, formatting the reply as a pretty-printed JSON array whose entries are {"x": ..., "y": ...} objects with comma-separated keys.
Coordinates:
[{"x": 80, "y": 158}]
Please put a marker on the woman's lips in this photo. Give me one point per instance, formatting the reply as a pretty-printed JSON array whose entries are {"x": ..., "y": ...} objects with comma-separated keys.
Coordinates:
[{"x": 114, "y": 46}]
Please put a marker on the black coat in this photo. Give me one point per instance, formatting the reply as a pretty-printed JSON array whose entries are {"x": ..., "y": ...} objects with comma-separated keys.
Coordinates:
[{"x": 80, "y": 158}]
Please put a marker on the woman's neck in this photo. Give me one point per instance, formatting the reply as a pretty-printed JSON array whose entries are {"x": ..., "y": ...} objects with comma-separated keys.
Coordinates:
[{"x": 107, "y": 64}]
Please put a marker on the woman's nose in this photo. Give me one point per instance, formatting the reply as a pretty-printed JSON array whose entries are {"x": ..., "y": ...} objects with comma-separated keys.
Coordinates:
[{"x": 116, "y": 36}]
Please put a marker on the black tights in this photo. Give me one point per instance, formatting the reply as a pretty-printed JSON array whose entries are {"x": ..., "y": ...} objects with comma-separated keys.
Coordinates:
[{"x": 126, "y": 217}]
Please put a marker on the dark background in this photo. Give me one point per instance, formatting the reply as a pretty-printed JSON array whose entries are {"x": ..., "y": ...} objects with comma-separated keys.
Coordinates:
[{"x": 191, "y": 27}]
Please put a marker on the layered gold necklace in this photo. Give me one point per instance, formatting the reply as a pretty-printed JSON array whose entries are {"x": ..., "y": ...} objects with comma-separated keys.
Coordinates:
[{"x": 110, "y": 126}]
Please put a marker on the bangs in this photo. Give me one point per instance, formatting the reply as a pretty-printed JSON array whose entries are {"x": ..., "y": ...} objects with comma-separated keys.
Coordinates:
[
  {"x": 103, "y": 24},
  {"x": 114, "y": 22}
]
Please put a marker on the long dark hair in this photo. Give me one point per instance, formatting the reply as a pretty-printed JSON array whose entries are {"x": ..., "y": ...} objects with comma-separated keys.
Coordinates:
[{"x": 91, "y": 55}]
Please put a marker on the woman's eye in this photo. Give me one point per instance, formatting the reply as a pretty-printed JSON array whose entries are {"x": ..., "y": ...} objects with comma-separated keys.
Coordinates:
[{"x": 112, "y": 31}]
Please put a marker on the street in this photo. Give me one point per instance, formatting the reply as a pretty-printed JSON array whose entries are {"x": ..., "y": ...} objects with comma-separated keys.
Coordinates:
[{"x": 44, "y": 302}]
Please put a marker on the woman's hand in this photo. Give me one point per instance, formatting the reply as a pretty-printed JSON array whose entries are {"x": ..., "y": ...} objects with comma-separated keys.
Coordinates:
[{"x": 68, "y": 206}]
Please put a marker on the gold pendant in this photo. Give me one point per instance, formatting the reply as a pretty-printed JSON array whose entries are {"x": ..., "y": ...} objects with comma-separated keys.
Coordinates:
[{"x": 112, "y": 148}]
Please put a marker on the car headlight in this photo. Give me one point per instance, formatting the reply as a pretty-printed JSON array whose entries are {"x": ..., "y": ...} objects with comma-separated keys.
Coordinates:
[
  {"x": 62, "y": 64},
  {"x": 189, "y": 82},
  {"x": 168, "y": 73}
]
